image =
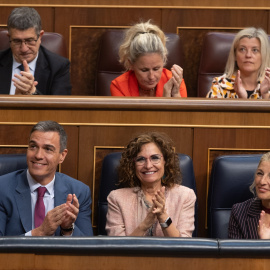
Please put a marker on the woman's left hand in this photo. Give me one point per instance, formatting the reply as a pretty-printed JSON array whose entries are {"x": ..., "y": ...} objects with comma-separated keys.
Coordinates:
[
  {"x": 172, "y": 87},
  {"x": 177, "y": 78},
  {"x": 264, "y": 227},
  {"x": 159, "y": 203},
  {"x": 265, "y": 85}
]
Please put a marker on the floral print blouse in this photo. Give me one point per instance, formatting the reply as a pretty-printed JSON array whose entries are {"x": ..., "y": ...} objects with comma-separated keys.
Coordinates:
[{"x": 223, "y": 87}]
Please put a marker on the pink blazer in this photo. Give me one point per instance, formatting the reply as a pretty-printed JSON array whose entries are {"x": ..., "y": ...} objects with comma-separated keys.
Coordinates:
[{"x": 125, "y": 211}]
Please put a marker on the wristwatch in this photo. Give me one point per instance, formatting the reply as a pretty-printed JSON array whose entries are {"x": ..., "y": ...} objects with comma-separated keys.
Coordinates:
[
  {"x": 167, "y": 223},
  {"x": 69, "y": 229}
]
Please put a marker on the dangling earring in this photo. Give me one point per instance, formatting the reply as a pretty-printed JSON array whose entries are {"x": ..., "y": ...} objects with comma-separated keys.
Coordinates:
[{"x": 163, "y": 181}]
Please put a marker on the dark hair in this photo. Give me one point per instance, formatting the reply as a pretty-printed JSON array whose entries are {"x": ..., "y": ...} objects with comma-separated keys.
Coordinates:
[
  {"x": 23, "y": 18},
  {"x": 126, "y": 170},
  {"x": 46, "y": 126}
]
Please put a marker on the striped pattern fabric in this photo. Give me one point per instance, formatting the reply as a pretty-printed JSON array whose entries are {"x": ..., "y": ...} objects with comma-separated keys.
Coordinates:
[{"x": 244, "y": 219}]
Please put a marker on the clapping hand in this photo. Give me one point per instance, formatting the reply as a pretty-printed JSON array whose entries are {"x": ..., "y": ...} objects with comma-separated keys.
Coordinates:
[
  {"x": 172, "y": 87},
  {"x": 25, "y": 83},
  {"x": 264, "y": 226},
  {"x": 238, "y": 86},
  {"x": 265, "y": 85}
]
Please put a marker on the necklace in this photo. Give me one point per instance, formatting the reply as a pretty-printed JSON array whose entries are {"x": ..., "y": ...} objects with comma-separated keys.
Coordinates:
[{"x": 147, "y": 91}]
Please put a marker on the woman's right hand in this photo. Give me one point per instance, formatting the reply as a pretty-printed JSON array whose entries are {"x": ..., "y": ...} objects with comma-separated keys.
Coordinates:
[
  {"x": 149, "y": 220},
  {"x": 238, "y": 86}
]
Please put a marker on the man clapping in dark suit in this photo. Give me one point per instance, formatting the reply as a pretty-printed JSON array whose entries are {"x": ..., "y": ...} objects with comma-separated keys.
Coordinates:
[
  {"x": 39, "y": 201},
  {"x": 27, "y": 68}
]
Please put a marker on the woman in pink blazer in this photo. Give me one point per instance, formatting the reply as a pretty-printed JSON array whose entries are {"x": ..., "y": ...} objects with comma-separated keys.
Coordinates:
[{"x": 153, "y": 202}]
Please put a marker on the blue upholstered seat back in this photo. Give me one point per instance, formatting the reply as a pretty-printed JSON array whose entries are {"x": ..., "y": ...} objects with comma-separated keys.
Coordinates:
[
  {"x": 230, "y": 179},
  {"x": 12, "y": 162}
]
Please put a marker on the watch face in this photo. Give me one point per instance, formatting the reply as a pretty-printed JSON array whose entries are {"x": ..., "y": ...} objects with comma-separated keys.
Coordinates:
[{"x": 167, "y": 223}]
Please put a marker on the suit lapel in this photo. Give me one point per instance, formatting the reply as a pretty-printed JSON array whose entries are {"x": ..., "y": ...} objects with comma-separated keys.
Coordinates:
[
  {"x": 42, "y": 72},
  {"x": 23, "y": 200},
  {"x": 60, "y": 190},
  {"x": 253, "y": 216},
  {"x": 60, "y": 194},
  {"x": 5, "y": 71}
]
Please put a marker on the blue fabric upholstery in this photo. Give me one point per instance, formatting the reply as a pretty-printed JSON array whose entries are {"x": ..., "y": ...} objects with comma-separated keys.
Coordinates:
[
  {"x": 109, "y": 179},
  {"x": 109, "y": 246},
  {"x": 12, "y": 162},
  {"x": 230, "y": 179},
  {"x": 140, "y": 247}
]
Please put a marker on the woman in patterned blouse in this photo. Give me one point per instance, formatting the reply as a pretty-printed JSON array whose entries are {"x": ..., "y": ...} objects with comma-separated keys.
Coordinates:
[{"x": 247, "y": 72}]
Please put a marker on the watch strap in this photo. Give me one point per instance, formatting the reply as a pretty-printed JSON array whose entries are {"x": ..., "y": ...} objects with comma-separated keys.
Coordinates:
[
  {"x": 167, "y": 223},
  {"x": 69, "y": 229}
]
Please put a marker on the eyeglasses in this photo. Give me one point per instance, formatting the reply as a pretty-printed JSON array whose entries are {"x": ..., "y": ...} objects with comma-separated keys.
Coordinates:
[
  {"x": 28, "y": 42},
  {"x": 155, "y": 159}
]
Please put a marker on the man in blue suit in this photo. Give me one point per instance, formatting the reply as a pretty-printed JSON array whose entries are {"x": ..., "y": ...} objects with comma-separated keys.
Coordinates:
[
  {"x": 67, "y": 201},
  {"x": 27, "y": 68}
]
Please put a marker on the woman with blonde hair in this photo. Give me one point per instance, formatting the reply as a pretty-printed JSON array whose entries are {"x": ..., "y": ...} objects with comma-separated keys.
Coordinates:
[
  {"x": 144, "y": 54},
  {"x": 247, "y": 72},
  {"x": 251, "y": 219}
]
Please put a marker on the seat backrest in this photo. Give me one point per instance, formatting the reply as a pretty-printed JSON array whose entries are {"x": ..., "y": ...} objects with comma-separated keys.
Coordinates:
[
  {"x": 215, "y": 52},
  {"x": 108, "y": 66},
  {"x": 12, "y": 162},
  {"x": 230, "y": 180},
  {"x": 54, "y": 42},
  {"x": 109, "y": 179}
]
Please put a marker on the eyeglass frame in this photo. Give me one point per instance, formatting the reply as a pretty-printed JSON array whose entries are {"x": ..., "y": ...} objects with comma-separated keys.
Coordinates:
[
  {"x": 145, "y": 159},
  {"x": 25, "y": 41}
]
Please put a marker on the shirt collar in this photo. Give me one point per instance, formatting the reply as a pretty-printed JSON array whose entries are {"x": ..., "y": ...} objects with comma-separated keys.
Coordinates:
[
  {"x": 32, "y": 65},
  {"x": 33, "y": 184}
]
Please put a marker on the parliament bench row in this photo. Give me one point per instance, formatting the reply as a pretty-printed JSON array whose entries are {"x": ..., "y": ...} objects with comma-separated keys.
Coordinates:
[
  {"x": 231, "y": 177},
  {"x": 138, "y": 246},
  {"x": 215, "y": 51}
]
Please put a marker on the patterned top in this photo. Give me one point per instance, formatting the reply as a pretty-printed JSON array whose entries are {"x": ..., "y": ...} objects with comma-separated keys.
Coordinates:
[
  {"x": 244, "y": 219},
  {"x": 223, "y": 87}
]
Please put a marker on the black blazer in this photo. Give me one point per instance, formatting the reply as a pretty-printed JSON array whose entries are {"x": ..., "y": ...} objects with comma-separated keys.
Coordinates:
[{"x": 52, "y": 73}]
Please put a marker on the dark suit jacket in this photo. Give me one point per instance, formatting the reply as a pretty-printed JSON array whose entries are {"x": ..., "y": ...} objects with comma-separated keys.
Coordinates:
[
  {"x": 52, "y": 73},
  {"x": 244, "y": 219},
  {"x": 15, "y": 203}
]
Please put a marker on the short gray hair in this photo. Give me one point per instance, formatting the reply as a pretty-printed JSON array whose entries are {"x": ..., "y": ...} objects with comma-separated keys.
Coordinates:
[
  {"x": 23, "y": 18},
  {"x": 47, "y": 126}
]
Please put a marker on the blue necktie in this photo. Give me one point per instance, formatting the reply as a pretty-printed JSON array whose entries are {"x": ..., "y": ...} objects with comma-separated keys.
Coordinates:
[{"x": 20, "y": 67}]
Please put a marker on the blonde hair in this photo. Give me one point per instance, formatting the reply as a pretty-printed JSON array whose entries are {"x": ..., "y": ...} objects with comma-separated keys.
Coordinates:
[
  {"x": 265, "y": 157},
  {"x": 251, "y": 32},
  {"x": 140, "y": 39}
]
